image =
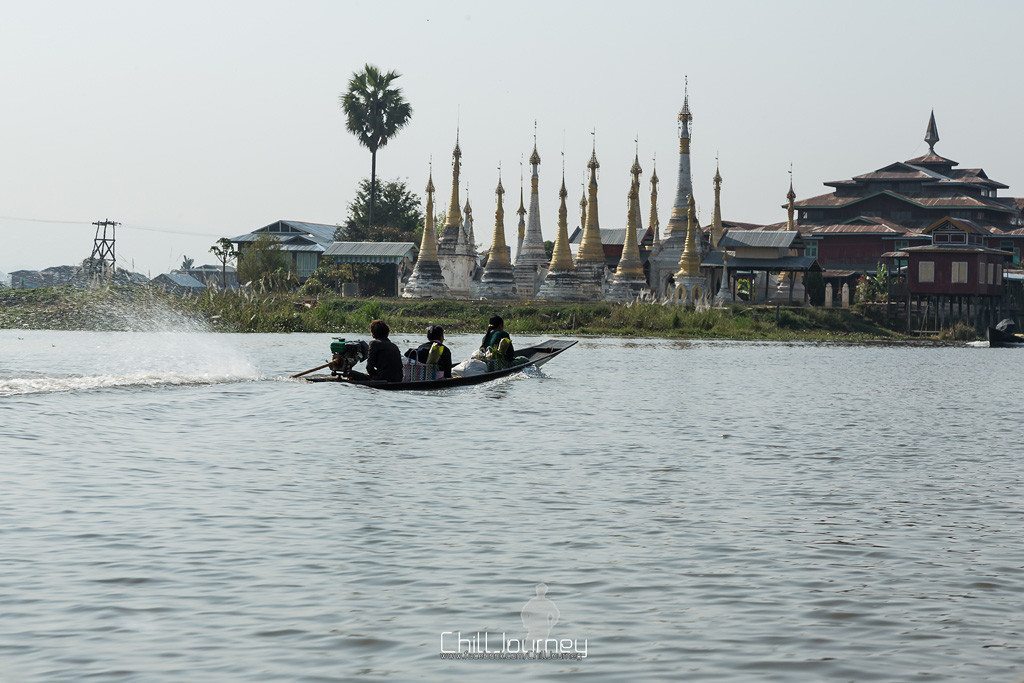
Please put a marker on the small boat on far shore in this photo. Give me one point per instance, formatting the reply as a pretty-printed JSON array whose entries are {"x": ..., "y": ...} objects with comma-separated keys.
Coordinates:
[
  {"x": 535, "y": 357},
  {"x": 1005, "y": 335}
]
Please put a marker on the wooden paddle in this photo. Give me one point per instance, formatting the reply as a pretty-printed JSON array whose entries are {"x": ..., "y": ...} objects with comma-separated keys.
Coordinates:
[{"x": 306, "y": 372}]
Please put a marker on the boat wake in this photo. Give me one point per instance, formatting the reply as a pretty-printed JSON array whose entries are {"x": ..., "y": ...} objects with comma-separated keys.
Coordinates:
[{"x": 20, "y": 386}]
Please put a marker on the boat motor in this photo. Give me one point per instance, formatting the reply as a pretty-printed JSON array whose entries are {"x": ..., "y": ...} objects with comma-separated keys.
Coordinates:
[{"x": 345, "y": 355}]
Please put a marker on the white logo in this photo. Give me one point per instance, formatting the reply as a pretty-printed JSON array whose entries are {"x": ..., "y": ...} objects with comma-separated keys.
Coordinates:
[{"x": 539, "y": 616}]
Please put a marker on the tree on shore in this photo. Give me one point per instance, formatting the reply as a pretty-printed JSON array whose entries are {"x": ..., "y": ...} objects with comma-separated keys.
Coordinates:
[
  {"x": 263, "y": 262},
  {"x": 399, "y": 215},
  {"x": 225, "y": 251},
  {"x": 374, "y": 112}
]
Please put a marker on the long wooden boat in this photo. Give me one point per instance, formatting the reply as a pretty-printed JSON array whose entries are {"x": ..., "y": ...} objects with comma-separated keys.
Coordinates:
[
  {"x": 1002, "y": 339},
  {"x": 535, "y": 357}
]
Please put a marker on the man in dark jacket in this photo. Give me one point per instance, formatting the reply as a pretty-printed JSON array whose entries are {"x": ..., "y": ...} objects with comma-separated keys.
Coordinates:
[
  {"x": 435, "y": 335},
  {"x": 384, "y": 360}
]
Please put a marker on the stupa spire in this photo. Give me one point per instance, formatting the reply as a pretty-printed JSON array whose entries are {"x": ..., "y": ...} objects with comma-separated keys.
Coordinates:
[
  {"x": 561, "y": 257},
  {"x": 629, "y": 263},
  {"x": 689, "y": 260},
  {"x": 591, "y": 249},
  {"x": 427, "y": 280},
  {"x": 468, "y": 211},
  {"x": 428, "y": 242},
  {"x": 521, "y": 211},
  {"x": 791, "y": 203},
  {"x": 684, "y": 183},
  {"x": 653, "y": 220},
  {"x": 716, "y": 220},
  {"x": 454, "y": 213},
  {"x": 635, "y": 171},
  {"x": 532, "y": 257},
  {"x": 498, "y": 279},
  {"x": 583, "y": 211},
  {"x": 931, "y": 135},
  {"x": 499, "y": 250}
]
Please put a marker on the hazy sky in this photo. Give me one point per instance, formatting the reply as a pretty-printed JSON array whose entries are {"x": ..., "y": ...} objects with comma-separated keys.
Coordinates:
[{"x": 213, "y": 118}]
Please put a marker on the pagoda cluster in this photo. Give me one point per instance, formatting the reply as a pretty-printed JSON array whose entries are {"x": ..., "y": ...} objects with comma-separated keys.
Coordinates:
[{"x": 682, "y": 266}]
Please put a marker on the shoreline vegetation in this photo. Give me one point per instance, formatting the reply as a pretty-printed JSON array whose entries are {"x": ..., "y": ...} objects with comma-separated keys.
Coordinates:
[{"x": 140, "y": 309}]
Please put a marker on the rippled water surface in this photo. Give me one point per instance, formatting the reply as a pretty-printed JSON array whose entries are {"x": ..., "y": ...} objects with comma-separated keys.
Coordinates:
[{"x": 171, "y": 509}]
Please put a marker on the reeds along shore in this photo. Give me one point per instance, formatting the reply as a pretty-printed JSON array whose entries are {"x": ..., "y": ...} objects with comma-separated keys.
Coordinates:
[{"x": 140, "y": 308}]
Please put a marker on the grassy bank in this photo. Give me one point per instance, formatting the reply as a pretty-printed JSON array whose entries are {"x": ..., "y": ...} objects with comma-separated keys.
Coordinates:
[{"x": 66, "y": 308}]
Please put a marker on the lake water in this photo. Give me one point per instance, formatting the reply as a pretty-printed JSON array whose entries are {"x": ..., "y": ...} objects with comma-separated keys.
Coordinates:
[{"x": 171, "y": 509}]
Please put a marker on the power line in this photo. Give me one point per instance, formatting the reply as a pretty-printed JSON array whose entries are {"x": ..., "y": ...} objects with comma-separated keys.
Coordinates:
[{"x": 125, "y": 226}]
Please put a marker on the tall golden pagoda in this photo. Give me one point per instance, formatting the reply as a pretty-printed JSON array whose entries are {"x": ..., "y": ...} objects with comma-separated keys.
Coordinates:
[
  {"x": 532, "y": 256},
  {"x": 457, "y": 256},
  {"x": 590, "y": 261},
  {"x": 562, "y": 283},
  {"x": 499, "y": 249},
  {"x": 498, "y": 279},
  {"x": 427, "y": 280},
  {"x": 454, "y": 218},
  {"x": 691, "y": 286},
  {"x": 629, "y": 263},
  {"x": 689, "y": 260},
  {"x": 684, "y": 184},
  {"x": 663, "y": 260},
  {"x": 561, "y": 257},
  {"x": 628, "y": 282}
]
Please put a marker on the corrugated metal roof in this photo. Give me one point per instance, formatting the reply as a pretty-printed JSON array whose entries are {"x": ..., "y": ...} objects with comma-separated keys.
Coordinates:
[
  {"x": 301, "y": 246},
  {"x": 319, "y": 232},
  {"x": 617, "y": 236},
  {"x": 714, "y": 260},
  {"x": 778, "y": 239},
  {"x": 371, "y": 252},
  {"x": 181, "y": 280},
  {"x": 852, "y": 229}
]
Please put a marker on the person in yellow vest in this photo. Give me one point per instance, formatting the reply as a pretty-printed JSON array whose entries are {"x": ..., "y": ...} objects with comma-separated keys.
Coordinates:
[
  {"x": 433, "y": 353},
  {"x": 498, "y": 341}
]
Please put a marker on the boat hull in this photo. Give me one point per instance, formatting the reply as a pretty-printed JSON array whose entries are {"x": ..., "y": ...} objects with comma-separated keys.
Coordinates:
[
  {"x": 535, "y": 357},
  {"x": 999, "y": 339}
]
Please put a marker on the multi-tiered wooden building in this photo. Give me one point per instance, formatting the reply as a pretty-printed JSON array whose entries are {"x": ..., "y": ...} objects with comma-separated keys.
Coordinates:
[{"x": 849, "y": 229}]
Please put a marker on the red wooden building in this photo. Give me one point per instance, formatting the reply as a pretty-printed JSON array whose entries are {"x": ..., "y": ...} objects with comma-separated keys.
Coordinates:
[
  {"x": 956, "y": 276},
  {"x": 849, "y": 229}
]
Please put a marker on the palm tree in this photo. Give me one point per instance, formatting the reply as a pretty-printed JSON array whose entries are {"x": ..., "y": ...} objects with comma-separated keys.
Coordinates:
[
  {"x": 225, "y": 251},
  {"x": 374, "y": 113}
]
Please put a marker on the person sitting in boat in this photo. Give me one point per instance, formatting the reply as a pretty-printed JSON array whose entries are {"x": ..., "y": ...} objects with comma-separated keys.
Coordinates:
[
  {"x": 497, "y": 341},
  {"x": 433, "y": 353},
  {"x": 384, "y": 360}
]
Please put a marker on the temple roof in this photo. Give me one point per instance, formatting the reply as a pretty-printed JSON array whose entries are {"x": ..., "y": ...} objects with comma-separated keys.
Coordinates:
[
  {"x": 932, "y": 159},
  {"x": 855, "y": 229},
  {"x": 831, "y": 201},
  {"x": 962, "y": 224}
]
